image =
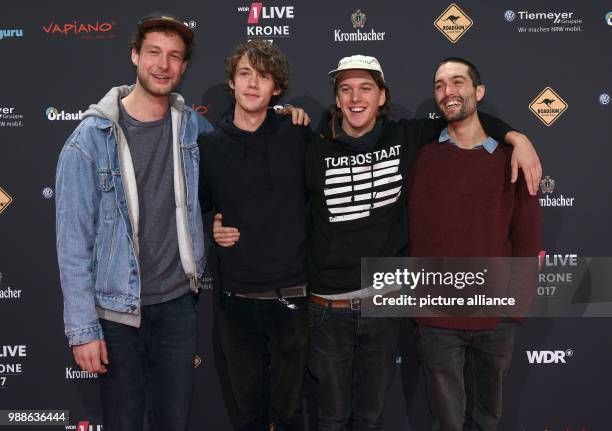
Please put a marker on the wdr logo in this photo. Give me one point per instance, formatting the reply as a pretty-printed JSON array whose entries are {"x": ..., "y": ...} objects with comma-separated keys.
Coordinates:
[{"x": 548, "y": 356}]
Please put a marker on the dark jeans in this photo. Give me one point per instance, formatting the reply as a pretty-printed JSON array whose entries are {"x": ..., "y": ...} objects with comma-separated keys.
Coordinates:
[
  {"x": 265, "y": 344},
  {"x": 464, "y": 371},
  {"x": 154, "y": 362},
  {"x": 353, "y": 360}
]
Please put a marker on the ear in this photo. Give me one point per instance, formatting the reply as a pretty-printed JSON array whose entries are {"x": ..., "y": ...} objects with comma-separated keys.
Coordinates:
[
  {"x": 184, "y": 67},
  {"x": 480, "y": 92},
  {"x": 382, "y": 97},
  {"x": 276, "y": 92},
  {"x": 135, "y": 57},
  {"x": 230, "y": 82}
]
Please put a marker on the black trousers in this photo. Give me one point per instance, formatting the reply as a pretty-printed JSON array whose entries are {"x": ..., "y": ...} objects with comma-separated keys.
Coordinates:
[
  {"x": 155, "y": 361},
  {"x": 265, "y": 344}
]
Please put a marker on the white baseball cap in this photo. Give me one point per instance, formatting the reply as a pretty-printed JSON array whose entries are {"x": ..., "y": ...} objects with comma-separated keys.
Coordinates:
[{"x": 363, "y": 62}]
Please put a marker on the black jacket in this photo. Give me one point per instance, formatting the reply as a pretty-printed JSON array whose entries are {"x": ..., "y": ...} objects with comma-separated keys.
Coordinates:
[{"x": 256, "y": 180}]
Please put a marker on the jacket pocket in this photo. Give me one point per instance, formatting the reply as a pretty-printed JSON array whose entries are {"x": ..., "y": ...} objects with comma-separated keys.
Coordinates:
[{"x": 108, "y": 205}]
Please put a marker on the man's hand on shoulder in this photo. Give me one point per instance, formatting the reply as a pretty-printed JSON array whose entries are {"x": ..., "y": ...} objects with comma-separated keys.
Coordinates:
[
  {"x": 299, "y": 117},
  {"x": 224, "y": 236},
  {"x": 524, "y": 156},
  {"x": 91, "y": 357}
]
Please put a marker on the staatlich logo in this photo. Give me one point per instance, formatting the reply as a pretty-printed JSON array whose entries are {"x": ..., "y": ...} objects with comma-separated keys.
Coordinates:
[
  {"x": 5, "y": 200},
  {"x": 84, "y": 30},
  {"x": 453, "y": 23},
  {"x": 548, "y": 106},
  {"x": 358, "y": 21}
]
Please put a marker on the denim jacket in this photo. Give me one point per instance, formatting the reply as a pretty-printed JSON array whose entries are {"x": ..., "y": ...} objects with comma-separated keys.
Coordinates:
[{"x": 97, "y": 216}]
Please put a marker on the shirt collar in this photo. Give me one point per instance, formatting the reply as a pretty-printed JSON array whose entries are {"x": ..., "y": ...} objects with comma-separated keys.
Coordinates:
[{"x": 489, "y": 144}]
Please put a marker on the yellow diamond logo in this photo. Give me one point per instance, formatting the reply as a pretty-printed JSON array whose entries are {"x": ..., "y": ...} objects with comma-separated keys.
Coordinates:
[
  {"x": 197, "y": 361},
  {"x": 548, "y": 106},
  {"x": 5, "y": 200},
  {"x": 453, "y": 23}
]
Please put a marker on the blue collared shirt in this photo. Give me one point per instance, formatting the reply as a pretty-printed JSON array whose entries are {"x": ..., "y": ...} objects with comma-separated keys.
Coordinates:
[{"x": 489, "y": 144}]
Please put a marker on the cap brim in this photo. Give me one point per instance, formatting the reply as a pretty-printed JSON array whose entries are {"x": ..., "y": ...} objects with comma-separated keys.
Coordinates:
[
  {"x": 182, "y": 29},
  {"x": 334, "y": 73}
]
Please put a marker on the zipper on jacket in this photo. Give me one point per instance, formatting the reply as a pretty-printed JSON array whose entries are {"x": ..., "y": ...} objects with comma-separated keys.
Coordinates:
[{"x": 136, "y": 257}]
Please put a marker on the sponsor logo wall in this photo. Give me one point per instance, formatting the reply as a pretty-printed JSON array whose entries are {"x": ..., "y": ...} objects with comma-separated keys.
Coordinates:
[{"x": 547, "y": 69}]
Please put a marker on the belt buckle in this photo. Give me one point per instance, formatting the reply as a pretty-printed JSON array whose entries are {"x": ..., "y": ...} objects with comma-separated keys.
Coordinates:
[{"x": 355, "y": 304}]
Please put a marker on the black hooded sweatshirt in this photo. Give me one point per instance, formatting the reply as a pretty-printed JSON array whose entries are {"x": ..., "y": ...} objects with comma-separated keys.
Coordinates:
[
  {"x": 256, "y": 180},
  {"x": 358, "y": 198}
]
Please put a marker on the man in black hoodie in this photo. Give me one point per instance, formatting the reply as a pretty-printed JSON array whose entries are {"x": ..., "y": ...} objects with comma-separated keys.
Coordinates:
[{"x": 252, "y": 171}]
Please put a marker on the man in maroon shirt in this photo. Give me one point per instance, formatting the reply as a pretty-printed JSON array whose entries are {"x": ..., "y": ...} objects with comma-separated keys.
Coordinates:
[{"x": 462, "y": 204}]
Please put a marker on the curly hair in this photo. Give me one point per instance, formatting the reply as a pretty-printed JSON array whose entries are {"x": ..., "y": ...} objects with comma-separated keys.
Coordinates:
[{"x": 265, "y": 59}]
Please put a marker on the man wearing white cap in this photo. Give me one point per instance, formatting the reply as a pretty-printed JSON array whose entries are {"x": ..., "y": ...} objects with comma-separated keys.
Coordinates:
[{"x": 355, "y": 171}]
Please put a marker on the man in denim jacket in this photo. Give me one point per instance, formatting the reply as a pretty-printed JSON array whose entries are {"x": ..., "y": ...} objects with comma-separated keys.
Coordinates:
[{"x": 129, "y": 235}]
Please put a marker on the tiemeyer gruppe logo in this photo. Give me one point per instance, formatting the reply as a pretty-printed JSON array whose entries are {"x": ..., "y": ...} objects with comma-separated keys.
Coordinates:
[
  {"x": 548, "y": 199},
  {"x": 10, "y": 33},
  {"x": 14, "y": 355},
  {"x": 54, "y": 114},
  {"x": 548, "y": 106},
  {"x": 10, "y": 118},
  {"x": 82, "y": 29},
  {"x": 453, "y": 23},
  {"x": 265, "y": 22},
  {"x": 358, "y": 21},
  {"x": 544, "y": 21}
]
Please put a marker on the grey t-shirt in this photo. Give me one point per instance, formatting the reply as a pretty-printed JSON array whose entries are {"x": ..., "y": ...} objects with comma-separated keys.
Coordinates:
[{"x": 161, "y": 272}]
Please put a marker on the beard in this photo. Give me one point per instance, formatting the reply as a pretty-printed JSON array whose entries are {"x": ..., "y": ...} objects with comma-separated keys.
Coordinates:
[
  {"x": 468, "y": 107},
  {"x": 153, "y": 89}
]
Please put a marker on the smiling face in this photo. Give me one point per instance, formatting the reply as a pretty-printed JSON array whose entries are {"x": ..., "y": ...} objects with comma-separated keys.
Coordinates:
[
  {"x": 454, "y": 91},
  {"x": 359, "y": 98},
  {"x": 252, "y": 89},
  {"x": 160, "y": 62}
]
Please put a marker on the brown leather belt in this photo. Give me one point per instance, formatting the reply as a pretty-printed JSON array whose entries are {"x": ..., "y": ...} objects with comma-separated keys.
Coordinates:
[
  {"x": 285, "y": 292},
  {"x": 353, "y": 304}
]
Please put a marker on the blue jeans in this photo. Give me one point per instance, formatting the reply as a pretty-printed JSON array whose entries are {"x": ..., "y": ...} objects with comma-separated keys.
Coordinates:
[
  {"x": 154, "y": 363},
  {"x": 464, "y": 371},
  {"x": 353, "y": 360},
  {"x": 265, "y": 344}
]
